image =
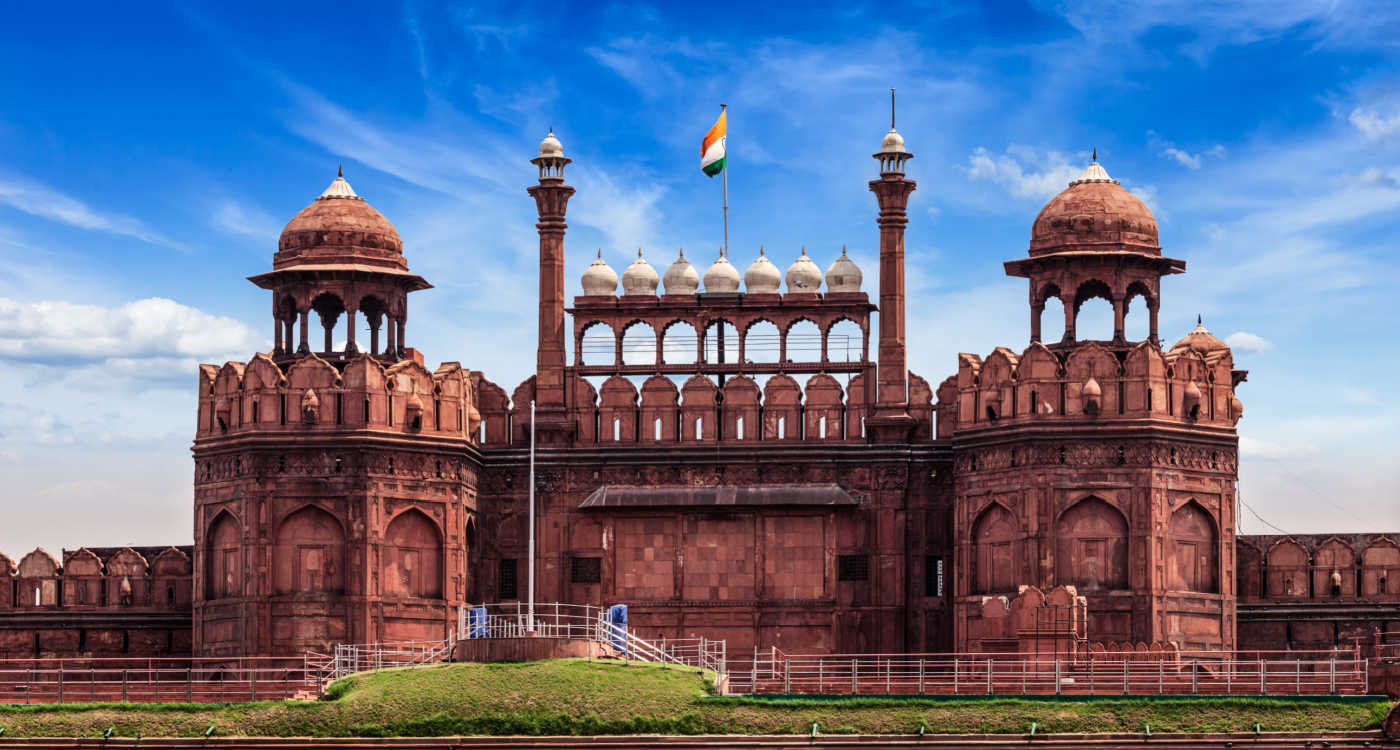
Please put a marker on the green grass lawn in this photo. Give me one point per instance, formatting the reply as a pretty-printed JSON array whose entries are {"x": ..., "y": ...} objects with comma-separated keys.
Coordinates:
[{"x": 571, "y": 696}]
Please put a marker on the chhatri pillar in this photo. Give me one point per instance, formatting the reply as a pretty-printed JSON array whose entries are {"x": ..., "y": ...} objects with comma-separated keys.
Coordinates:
[
  {"x": 552, "y": 200},
  {"x": 890, "y": 420}
]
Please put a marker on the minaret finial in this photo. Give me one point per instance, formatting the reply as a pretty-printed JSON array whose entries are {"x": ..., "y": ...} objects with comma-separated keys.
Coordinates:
[
  {"x": 891, "y": 108},
  {"x": 1095, "y": 157},
  {"x": 1198, "y": 319},
  {"x": 843, "y": 249},
  {"x": 682, "y": 253},
  {"x": 639, "y": 252},
  {"x": 760, "y": 251},
  {"x": 600, "y": 253},
  {"x": 340, "y": 170}
]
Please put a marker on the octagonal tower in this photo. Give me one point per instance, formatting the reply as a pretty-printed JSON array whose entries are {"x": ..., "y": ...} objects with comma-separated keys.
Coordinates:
[
  {"x": 1109, "y": 466},
  {"x": 335, "y": 489}
]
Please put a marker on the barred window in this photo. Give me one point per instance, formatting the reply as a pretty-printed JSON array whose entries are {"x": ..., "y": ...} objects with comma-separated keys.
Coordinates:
[
  {"x": 933, "y": 575},
  {"x": 586, "y": 570},
  {"x": 852, "y": 568},
  {"x": 506, "y": 581}
]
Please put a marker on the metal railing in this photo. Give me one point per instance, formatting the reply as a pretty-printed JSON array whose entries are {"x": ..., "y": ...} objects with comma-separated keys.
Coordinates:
[
  {"x": 1185, "y": 673},
  {"x": 350, "y": 658},
  {"x": 120, "y": 680}
]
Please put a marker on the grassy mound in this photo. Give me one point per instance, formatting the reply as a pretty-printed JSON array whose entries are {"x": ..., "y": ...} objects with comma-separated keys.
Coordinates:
[{"x": 578, "y": 697}]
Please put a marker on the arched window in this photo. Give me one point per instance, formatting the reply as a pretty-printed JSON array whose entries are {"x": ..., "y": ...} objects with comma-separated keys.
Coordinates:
[
  {"x": 412, "y": 557},
  {"x": 679, "y": 344},
  {"x": 310, "y": 554},
  {"x": 639, "y": 344},
  {"x": 761, "y": 341},
  {"x": 222, "y": 553},
  {"x": 1193, "y": 562},
  {"x": 598, "y": 345},
  {"x": 1092, "y": 547},
  {"x": 1093, "y": 312},
  {"x": 995, "y": 562}
]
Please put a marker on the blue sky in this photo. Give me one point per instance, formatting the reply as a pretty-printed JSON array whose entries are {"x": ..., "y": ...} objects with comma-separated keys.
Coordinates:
[{"x": 149, "y": 158}]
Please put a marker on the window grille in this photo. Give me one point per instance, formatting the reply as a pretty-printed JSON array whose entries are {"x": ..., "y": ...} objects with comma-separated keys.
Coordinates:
[
  {"x": 852, "y": 568},
  {"x": 586, "y": 570}
]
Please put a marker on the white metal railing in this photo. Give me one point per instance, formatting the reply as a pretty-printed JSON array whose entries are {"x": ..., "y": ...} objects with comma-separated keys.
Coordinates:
[
  {"x": 350, "y": 658},
  {"x": 1007, "y": 674}
]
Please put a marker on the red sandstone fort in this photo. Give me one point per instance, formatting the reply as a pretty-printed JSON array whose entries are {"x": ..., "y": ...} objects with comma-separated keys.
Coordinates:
[{"x": 732, "y": 460}]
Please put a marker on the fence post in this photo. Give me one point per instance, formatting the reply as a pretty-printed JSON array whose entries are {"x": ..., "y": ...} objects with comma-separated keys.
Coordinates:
[
  {"x": 189, "y": 686},
  {"x": 123, "y": 686},
  {"x": 772, "y": 660},
  {"x": 955, "y": 676},
  {"x": 821, "y": 675},
  {"x": 1297, "y": 677},
  {"x": 1262, "y": 667},
  {"x": 1229, "y": 676},
  {"x": 921, "y": 676},
  {"x": 60, "y": 682},
  {"x": 787, "y": 675},
  {"x": 887, "y": 676},
  {"x": 253, "y": 673},
  {"x": 1125, "y": 677},
  {"x": 1161, "y": 676},
  {"x": 1332, "y": 676},
  {"x": 1023, "y": 677},
  {"x": 1091, "y": 676},
  {"x": 855, "y": 687},
  {"x": 989, "y": 676},
  {"x": 1057, "y": 676},
  {"x": 1193, "y": 677}
]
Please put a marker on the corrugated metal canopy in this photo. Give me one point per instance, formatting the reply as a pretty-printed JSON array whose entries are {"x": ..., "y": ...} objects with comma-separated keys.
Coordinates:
[{"x": 771, "y": 494}]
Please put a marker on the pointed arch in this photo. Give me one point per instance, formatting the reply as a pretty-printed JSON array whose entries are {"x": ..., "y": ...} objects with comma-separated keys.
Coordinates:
[
  {"x": 996, "y": 550},
  {"x": 412, "y": 558},
  {"x": 223, "y": 544},
  {"x": 1091, "y": 551},
  {"x": 309, "y": 557},
  {"x": 1193, "y": 562}
]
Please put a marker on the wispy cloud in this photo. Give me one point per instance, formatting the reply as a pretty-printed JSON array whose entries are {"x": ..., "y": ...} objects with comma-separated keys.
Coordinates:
[
  {"x": 1044, "y": 175},
  {"x": 243, "y": 219},
  {"x": 1245, "y": 341},
  {"x": 40, "y": 200}
]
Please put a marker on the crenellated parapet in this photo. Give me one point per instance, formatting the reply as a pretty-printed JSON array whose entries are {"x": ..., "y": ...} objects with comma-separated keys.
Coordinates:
[
  {"x": 780, "y": 411},
  {"x": 310, "y": 395},
  {"x": 1089, "y": 382}
]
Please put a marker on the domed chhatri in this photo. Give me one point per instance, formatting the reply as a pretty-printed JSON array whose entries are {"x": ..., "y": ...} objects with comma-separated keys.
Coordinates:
[
  {"x": 762, "y": 277},
  {"x": 722, "y": 277},
  {"x": 681, "y": 277},
  {"x": 599, "y": 280},
  {"x": 1201, "y": 341},
  {"x": 844, "y": 275},
  {"x": 803, "y": 276},
  {"x": 892, "y": 143},
  {"x": 550, "y": 146},
  {"x": 339, "y": 228},
  {"x": 1094, "y": 210},
  {"x": 639, "y": 278}
]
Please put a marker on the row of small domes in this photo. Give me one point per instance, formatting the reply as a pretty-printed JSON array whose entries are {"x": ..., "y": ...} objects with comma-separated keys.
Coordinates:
[{"x": 762, "y": 277}]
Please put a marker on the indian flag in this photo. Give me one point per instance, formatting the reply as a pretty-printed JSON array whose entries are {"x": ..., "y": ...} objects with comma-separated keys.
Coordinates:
[{"x": 712, "y": 148}]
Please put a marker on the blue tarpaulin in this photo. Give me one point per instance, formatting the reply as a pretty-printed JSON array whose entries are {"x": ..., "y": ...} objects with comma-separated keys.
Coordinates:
[
  {"x": 617, "y": 618},
  {"x": 476, "y": 623}
]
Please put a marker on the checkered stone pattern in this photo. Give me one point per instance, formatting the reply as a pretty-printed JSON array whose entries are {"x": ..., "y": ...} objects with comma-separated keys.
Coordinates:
[
  {"x": 719, "y": 559},
  {"x": 646, "y": 553}
]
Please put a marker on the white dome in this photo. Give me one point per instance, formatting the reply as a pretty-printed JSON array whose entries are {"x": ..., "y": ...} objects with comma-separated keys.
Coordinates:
[
  {"x": 892, "y": 143},
  {"x": 681, "y": 277},
  {"x": 843, "y": 275},
  {"x": 762, "y": 277},
  {"x": 722, "y": 276},
  {"x": 639, "y": 278},
  {"x": 803, "y": 276},
  {"x": 551, "y": 146},
  {"x": 599, "y": 280}
]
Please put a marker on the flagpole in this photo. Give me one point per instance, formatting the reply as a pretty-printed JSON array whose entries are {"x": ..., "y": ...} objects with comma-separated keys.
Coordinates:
[{"x": 725, "y": 141}]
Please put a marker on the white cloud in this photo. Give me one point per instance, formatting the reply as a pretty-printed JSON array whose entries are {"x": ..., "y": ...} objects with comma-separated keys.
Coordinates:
[
  {"x": 1050, "y": 176},
  {"x": 1185, "y": 159},
  {"x": 1254, "y": 448},
  {"x": 157, "y": 331},
  {"x": 1248, "y": 342},
  {"x": 250, "y": 221},
  {"x": 1373, "y": 124},
  {"x": 45, "y": 202}
]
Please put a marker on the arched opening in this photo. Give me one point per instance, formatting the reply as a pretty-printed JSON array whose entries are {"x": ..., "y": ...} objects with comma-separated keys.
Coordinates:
[
  {"x": 310, "y": 554},
  {"x": 761, "y": 342},
  {"x": 639, "y": 344},
  {"x": 1092, "y": 547},
  {"x": 721, "y": 343},
  {"x": 1191, "y": 543},
  {"x": 1052, "y": 321},
  {"x": 679, "y": 344},
  {"x": 1136, "y": 312},
  {"x": 329, "y": 308},
  {"x": 371, "y": 322},
  {"x": 222, "y": 546},
  {"x": 412, "y": 557},
  {"x": 599, "y": 345},
  {"x": 1093, "y": 312},
  {"x": 804, "y": 342},
  {"x": 845, "y": 342},
  {"x": 286, "y": 325},
  {"x": 995, "y": 563}
]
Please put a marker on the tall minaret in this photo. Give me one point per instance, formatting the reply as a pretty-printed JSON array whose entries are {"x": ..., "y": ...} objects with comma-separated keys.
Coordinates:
[
  {"x": 552, "y": 199},
  {"x": 891, "y": 421}
]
